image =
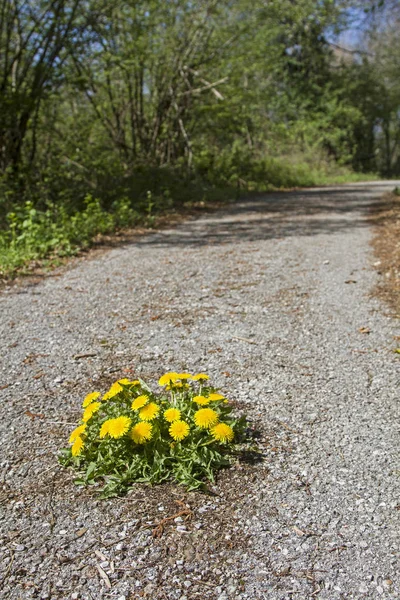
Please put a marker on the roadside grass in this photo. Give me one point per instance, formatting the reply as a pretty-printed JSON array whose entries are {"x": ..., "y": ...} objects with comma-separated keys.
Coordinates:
[{"x": 49, "y": 228}]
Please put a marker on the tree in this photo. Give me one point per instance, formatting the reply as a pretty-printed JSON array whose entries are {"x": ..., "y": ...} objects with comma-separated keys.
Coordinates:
[{"x": 34, "y": 43}]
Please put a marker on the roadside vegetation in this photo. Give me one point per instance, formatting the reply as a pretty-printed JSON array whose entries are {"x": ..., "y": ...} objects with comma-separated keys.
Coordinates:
[
  {"x": 386, "y": 243},
  {"x": 113, "y": 113}
]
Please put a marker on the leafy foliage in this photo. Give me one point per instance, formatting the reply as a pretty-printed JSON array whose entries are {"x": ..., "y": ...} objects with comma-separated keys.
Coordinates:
[
  {"x": 184, "y": 433},
  {"x": 178, "y": 101}
]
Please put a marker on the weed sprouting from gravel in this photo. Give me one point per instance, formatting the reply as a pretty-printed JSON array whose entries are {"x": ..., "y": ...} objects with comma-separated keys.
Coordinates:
[{"x": 185, "y": 433}]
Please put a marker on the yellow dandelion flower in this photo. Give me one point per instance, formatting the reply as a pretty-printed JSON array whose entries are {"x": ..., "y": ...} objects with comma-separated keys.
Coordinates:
[
  {"x": 172, "y": 414},
  {"x": 202, "y": 400},
  {"x": 90, "y": 410},
  {"x": 177, "y": 384},
  {"x": 104, "y": 428},
  {"x": 115, "y": 389},
  {"x": 139, "y": 402},
  {"x": 167, "y": 378},
  {"x": 184, "y": 376},
  {"x": 216, "y": 397},
  {"x": 200, "y": 376},
  {"x": 141, "y": 432},
  {"x": 76, "y": 433},
  {"x": 77, "y": 447},
  {"x": 149, "y": 412},
  {"x": 117, "y": 427},
  {"x": 179, "y": 430},
  {"x": 90, "y": 398},
  {"x": 124, "y": 381},
  {"x": 222, "y": 433},
  {"x": 205, "y": 418}
]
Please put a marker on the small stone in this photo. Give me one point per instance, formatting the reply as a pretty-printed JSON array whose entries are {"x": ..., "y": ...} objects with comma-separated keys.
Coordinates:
[
  {"x": 19, "y": 548},
  {"x": 363, "y": 588},
  {"x": 63, "y": 532},
  {"x": 74, "y": 596}
]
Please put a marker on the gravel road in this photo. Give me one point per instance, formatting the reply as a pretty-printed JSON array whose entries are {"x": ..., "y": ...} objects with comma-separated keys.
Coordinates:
[{"x": 272, "y": 297}]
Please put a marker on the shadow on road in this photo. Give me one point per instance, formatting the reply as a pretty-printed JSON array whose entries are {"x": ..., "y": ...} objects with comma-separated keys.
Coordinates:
[{"x": 277, "y": 216}]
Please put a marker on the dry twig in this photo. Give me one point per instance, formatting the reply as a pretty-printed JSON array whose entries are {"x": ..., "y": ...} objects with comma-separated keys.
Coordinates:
[{"x": 160, "y": 526}]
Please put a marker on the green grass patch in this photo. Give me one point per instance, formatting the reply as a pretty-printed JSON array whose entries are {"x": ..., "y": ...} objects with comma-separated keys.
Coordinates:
[{"x": 60, "y": 218}]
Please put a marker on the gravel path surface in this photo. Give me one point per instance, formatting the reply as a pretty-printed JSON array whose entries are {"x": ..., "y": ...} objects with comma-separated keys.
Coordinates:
[{"x": 271, "y": 297}]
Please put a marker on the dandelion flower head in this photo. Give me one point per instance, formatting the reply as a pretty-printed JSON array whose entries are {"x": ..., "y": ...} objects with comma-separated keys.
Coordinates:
[
  {"x": 172, "y": 414},
  {"x": 167, "y": 378},
  {"x": 215, "y": 397},
  {"x": 149, "y": 412},
  {"x": 77, "y": 447},
  {"x": 184, "y": 376},
  {"x": 179, "y": 430},
  {"x": 139, "y": 402},
  {"x": 90, "y": 398},
  {"x": 176, "y": 385},
  {"x": 115, "y": 389},
  {"x": 126, "y": 381},
  {"x": 104, "y": 428},
  {"x": 76, "y": 433},
  {"x": 205, "y": 418},
  {"x": 141, "y": 432},
  {"x": 200, "y": 376},
  {"x": 222, "y": 432},
  {"x": 202, "y": 400},
  {"x": 90, "y": 410},
  {"x": 115, "y": 428}
]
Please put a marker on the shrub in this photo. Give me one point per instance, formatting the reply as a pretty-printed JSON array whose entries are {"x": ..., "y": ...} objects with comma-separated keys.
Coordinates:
[{"x": 185, "y": 433}]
